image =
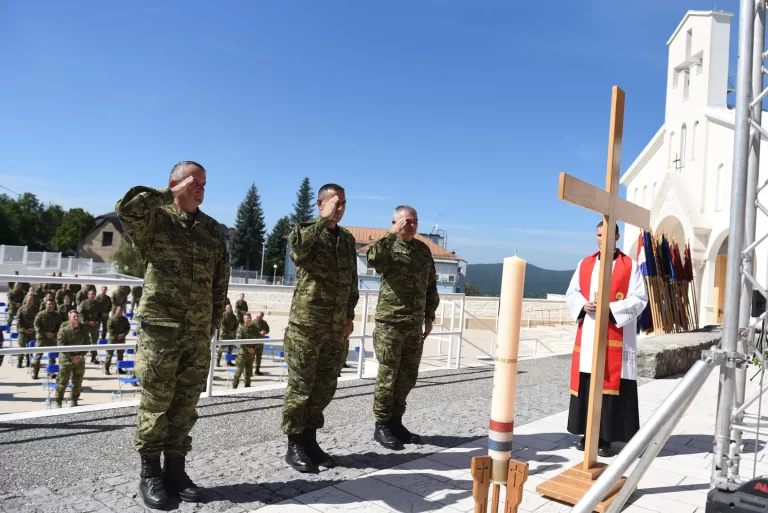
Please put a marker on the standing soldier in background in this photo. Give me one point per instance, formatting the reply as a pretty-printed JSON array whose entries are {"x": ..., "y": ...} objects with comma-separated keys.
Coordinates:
[
  {"x": 119, "y": 298},
  {"x": 72, "y": 364},
  {"x": 63, "y": 291},
  {"x": 119, "y": 327},
  {"x": 25, "y": 326},
  {"x": 263, "y": 329},
  {"x": 408, "y": 299},
  {"x": 47, "y": 325},
  {"x": 90, "y": 316},
  {"x": 64, "y": 310},
  {"x": 39, "y": 293},
  {"x": 241, "y": 307},
  {"x": 105, "y": 303},
  {"x": 15, "y": 300},
  {"x": 185, "y": 285},
  {"x": 82, "y": 295},
  {"x": 246, "y": 352},
  {"x": 135, "y": 297},
  {"x": 322, "y": 311},
  {"x": 227, "y": 331}
]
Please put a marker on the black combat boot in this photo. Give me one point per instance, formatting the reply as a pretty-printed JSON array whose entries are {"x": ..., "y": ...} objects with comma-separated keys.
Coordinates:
[
  {"x": 35, "y": 373},
  {"x": 151, "y": 487},
  {"x": 402, "y": 434},
  {"x": 177, "y": 481},
  {"x": 18, "y": 365},
  {"x": 106, "y": 371},
  {"x": 29, "y": 363},
  {"x": 318, "y": 456},
  {"x": 296, "y": 456},
  {"x": 385, "y": 437}
]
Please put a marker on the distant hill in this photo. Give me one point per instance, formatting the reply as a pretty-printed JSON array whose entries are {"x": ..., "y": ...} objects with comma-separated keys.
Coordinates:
[{"x": 538, "y": 282}]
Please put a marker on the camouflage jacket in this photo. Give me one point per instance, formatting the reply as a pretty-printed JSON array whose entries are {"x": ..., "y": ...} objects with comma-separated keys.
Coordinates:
[
  {"x": 81, "y": 296},
  {"x": 186, "y": 259},
  {"x": 105, "y": 302},
  {"x": 118, "y": 326},
  {"x": 136, "y": 292},
  {"x": 69, "y": 336},
  {"x": 247, "y": 332},
  {"x": 408, "y": 290},
  {"x": 64, "y": 310},
  {"x": 59, "y": 298},
  {"x": 241, "y": 307},
  {"x": 26, "y": 317},
  {"x": 118, "y": 299},
  {"x": 39, "y": 293},
  {"x": 228, "y": 325},
  {"x": 47, "y": 323},
  {"x": 326, "y": 290},
  {"x": 16, "y": 297},
  {"x": 89, "y": 312},
  {"x": 263, "y": 326}
]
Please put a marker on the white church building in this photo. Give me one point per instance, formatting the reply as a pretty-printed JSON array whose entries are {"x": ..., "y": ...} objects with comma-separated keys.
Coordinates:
[{"x": 684, "y": 173}]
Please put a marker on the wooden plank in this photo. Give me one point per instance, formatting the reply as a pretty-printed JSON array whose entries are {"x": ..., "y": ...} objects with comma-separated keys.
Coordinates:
[
  {"x": 583, "y": 194},
  {"x": 495, "y": 498},
  {"x": 633, "y": 214},
  {"x": 721, "y": 262},
  {"x": 481, "y": 475},
  {"x": 565, "y": 489},
  {"x": 516, "y": 478}
]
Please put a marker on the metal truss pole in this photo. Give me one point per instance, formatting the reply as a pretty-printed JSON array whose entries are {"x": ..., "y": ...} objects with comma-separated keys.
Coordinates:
[{"x": 735, "y": 242}]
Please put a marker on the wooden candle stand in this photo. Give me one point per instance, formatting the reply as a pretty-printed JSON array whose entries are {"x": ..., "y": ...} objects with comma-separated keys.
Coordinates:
[
  {"x": 571, "y": 485},
  {"x": 517, "y": 474}
]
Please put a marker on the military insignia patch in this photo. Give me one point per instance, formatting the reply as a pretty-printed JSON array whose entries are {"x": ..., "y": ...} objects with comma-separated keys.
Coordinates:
[{"x": 619, "y": 296}]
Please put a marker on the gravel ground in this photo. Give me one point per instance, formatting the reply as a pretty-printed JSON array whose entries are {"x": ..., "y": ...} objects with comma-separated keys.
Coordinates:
[{"x": 85, "y": 462}]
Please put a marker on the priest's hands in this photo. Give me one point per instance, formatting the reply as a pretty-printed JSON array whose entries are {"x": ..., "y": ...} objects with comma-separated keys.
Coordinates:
[{"x": 591, "y": 307}]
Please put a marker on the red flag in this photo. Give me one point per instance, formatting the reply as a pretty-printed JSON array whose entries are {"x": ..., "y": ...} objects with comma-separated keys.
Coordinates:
[{"x": 688, "y": 263}]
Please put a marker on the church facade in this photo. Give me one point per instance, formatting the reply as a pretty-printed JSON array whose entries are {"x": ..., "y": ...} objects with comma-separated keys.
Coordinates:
[{"x": 683, "y": 175}]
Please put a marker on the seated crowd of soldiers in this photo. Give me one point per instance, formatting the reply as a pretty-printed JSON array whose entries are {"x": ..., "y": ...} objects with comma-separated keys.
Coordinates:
[{"x": 61, "y": 315}]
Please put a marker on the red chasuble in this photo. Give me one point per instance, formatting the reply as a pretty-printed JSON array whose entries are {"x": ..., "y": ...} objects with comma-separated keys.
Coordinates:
[{"x": 622, "y": 271}]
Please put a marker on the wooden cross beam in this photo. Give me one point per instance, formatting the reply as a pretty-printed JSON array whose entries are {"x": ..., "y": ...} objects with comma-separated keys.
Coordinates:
[{"x": 613, "y": 208}]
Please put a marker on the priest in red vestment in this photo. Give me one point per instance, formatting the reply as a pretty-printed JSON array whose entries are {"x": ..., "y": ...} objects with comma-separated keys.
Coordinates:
[{"x": 620, "y": 418}]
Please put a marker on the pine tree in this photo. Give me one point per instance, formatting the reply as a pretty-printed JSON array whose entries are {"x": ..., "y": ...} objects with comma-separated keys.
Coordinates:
[
  {"x": 276, "y": 244},
  {"x": 246, "y": 246},
  {"x": 304, "y": 206}
]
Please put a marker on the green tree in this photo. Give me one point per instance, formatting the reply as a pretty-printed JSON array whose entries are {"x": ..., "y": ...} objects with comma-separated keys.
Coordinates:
[
  {"x": 304, "y": 206},
  {"x": 276, "y": 244},
  {"x": 8, "y": 233},
  {"x": 52, "y": 219},
  {"x": 26, "y": 219},
  {"x": 73, "y": 227},
  {"x": 471, "y": 290},
  {"x": 247, "y": 241},
  {"x": 129, "y": 260}
]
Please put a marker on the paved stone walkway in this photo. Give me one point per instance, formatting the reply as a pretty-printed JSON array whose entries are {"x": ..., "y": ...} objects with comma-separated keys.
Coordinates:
[{"x": 85, "y": 462}]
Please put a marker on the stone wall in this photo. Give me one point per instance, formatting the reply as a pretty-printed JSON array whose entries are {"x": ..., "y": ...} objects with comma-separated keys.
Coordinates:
[{"x": 667, "y": 355}]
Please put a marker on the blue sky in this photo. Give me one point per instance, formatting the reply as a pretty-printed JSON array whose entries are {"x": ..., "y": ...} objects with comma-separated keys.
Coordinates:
[{"x": 467, "y": 110}]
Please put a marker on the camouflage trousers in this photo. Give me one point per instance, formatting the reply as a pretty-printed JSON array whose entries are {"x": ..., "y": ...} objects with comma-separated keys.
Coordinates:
[
  {"x": 398, "y": 351},
  {"x": 11, "y": 313},
  {"x": 24, "y": 340},
  {"x": 244, "y": 362},
  {"x": 93, "y": 335},
  {"x": 220, "y": 350},
  {"x": 43, "y": 342},
  {"x": 104, "y": 321},
  {"x": 172, "y": 366},
  {"x": 68, "y": 370},
  {"x": 110, "y": 352},
  {"x": 314, "y": 357}
]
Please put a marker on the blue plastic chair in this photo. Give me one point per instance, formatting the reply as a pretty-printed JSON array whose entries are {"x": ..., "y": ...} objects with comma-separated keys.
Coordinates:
[
  {"x": 129, "y": 315},
  {"x": 281, "y": 357},
  {"x": 102, "y": 342},
  {"x": 2, "y": 304},
  {"x": 230, "y": 370},
  {"x": 128, "y": 366},
  {"x": 49, "y": 386},
  {"x": 14, "y": 336}
]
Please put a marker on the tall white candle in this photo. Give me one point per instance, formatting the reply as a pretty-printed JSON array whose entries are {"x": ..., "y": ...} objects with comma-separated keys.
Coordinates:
[{"x": 505, "y": 372}]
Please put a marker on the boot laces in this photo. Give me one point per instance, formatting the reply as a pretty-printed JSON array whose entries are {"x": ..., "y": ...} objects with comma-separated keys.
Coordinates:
[
  {"x": 155, "y": 484},
  {"x": 300, "y": 451}
]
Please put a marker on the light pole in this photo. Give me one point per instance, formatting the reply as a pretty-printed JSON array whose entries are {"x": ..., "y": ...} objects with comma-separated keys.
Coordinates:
[
  {"x": 274, "y": 275},
  {"x": 263, "y": 246}
]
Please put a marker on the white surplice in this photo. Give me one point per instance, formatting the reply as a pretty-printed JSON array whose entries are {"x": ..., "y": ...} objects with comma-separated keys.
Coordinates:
[{"x": 625, "y": 312}]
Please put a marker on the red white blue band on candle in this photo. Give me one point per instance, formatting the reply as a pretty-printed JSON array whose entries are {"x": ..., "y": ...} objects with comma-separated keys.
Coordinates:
[
  {"x": 500, "y": 437},
  {"x": 503, "y": 427},
  {"x": 499, "y": 446}
]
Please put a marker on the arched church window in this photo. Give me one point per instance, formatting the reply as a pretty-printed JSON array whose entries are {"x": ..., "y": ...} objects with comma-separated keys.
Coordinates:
[
  {"x": 693, "y": 140},
  {"x": 634, "y": 199},
  {"x": 683, "y": 135},
  {"x": 671, "y": 149},
  {"x": 718, "y": 186},
  {"x": 645, "y": 190}
]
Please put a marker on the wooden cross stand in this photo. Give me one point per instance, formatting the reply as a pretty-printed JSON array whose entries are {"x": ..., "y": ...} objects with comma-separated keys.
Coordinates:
[{"x": 571, "y": 485}]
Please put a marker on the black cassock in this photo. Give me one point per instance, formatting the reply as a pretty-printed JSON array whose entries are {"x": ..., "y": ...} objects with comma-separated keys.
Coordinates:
[{"x": 620, "y": 418}]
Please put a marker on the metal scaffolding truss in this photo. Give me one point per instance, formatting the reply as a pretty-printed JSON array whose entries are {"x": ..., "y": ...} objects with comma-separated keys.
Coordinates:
[{"x": 740, "y": 329}]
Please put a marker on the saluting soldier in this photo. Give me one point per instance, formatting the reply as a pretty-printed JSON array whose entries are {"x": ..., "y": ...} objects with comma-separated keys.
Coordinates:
[
  {"x": 25, "y": 325},
  {"x": 72, "y": 365},
  {"x": 119, "y": 327},
  {"x": 64, "y": 310},
  {"x": 64, "y": 291},
  {"x": 15, "y": 300},
  {"x": 105, "y": 303},
  {"x": 227, "y": 331},
  {"x": 241, "y": 307},
  {"x": 246, "y": 352},
  {"x": 47, "y": 325},
  {"x": 322, "y": 311},
  {"x": 405, "y": 312},
  {"x": 90, "y": 317}
]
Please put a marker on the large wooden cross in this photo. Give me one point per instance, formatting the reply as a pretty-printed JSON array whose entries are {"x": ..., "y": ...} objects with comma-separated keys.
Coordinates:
[{"x": 613, "y": 208}]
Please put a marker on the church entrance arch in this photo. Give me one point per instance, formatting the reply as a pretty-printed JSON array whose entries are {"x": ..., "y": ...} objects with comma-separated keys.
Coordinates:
[{"x": 673, "y": 228}]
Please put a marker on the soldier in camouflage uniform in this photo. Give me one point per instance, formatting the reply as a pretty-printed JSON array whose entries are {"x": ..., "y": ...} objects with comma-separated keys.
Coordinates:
[
  {"x": 15, "y": 301},
  {"x": 241, "y": 307},
  {"x": 263, "y": 327},
  {"x": 63, "y": 310},
  {"x": 63, "y": 291},
  {"x": 39, "y": 293},
  {"x": 408, "y": 299},
  {"x": 118, "y": 329},
  {"x": 47, "y": 325},
  {"x": 119, "y": 298},
  {"x": 25, "y": 325},
  {"x": 227, "y": 331},
  {"x": 105, "y": 303},
  {"x": 321, "y": 316},
  {"x": 135, "y": 297},
  {"x": 82, "y": 295},
  {"x": 48, "y": 297},
  {"x": 90, "y": 317},
  {"x": 246, "y": 352},
  {"x": 185, "y": 286},
  {"x": 72, "y": 365}
]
